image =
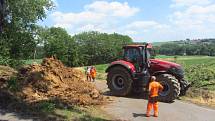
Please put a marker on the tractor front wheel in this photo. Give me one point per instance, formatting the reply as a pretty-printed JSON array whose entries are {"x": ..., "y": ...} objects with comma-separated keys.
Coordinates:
[
  {"x": 119, "y": 81},
  {"x": 171, "y": 88}
]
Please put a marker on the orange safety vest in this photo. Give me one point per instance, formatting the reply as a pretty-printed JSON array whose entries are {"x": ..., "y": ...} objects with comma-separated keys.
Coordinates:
[
  {"x": 154, "y": 88},
  {"x": 93, "y": 73}
]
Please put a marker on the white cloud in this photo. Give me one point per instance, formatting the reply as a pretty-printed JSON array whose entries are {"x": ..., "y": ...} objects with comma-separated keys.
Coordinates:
[
  {"x": 81, "y": 18},
  {"x": 210, "y": 9},
  {"x": 142, "y": 24},
  {"x": 192, "y": 19},
  {"x": 145, "y": 25},
  {"x": 90, "y": 27},
  {"x": 130, "y": 32},
  {"x": 113, "y": 8},
  {"x": 194, "y": 16},
  {"x": 182, "y": 3},
  {"x": 100, "y": 15}
]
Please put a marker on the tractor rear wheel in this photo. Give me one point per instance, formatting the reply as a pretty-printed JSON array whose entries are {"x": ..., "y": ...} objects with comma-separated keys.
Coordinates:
[
  {"x": 171, "y": 87},
  {"x": 119, "y": 81}
]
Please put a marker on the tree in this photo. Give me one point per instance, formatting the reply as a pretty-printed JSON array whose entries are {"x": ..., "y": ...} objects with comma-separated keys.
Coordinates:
[
  {"x": 19, "y": 25},
  {"x": 57, "y": 42},
  {"x": 98, "y": 48},
  {"x": 170, "y": 49}
]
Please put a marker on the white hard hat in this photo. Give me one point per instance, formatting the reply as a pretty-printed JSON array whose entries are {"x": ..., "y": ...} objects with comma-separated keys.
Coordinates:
[{"x": 153, "y": 78}]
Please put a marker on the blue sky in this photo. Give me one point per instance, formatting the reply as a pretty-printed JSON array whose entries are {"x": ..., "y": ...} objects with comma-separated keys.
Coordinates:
[{"x": 143, "y": 20}]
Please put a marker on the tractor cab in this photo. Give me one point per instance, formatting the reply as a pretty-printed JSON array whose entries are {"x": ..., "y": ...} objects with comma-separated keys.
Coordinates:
[{"x": 138, "y": 55}]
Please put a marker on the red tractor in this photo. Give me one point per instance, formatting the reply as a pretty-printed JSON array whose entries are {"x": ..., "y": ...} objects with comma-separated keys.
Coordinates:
[{"x": 132, "y": 74}]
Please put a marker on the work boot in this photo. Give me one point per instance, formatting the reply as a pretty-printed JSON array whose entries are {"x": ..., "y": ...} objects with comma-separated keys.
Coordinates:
[{"x": 155, "y": 115}]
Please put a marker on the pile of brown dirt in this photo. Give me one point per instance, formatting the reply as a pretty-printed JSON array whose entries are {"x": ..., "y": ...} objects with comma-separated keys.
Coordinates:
[
  {"x": 51, "y": 80},
  {"x": 5, "y": 74}
]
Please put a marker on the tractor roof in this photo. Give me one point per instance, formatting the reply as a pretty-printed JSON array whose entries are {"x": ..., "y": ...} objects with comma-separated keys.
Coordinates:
[{"x": 137, "y": 45}]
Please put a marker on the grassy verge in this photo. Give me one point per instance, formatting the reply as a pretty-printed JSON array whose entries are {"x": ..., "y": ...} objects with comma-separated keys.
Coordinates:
[
  {"x": 31, "y": 61},
  {"x": 200, "y": 97},
  {"x": 91, "y": 113}
]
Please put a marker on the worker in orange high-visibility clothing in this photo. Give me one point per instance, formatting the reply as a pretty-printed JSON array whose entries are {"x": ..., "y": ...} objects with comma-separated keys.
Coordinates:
[
  {"x": 93, "y": 73},
  {"x": 154, "y": 88}
]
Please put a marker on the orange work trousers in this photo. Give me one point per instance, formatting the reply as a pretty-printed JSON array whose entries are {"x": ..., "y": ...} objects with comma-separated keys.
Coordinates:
[
  {"x": 152, "y": 103},
  {"x": 154, "y": 106}
]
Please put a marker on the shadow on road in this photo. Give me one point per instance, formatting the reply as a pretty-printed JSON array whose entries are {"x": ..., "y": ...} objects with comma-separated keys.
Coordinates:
[
  {"x": 134, "y": 96},
  {"x": 139, "y": 115}
]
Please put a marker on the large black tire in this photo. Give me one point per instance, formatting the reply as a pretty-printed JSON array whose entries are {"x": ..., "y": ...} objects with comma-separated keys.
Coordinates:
[
  {"x": 171, "y": 87},
  {"x": 184, "y": 87},
  {"x": 119, "y": 81}
]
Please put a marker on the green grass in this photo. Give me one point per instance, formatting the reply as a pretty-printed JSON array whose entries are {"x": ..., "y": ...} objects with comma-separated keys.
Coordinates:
[
  {"x": 101, "y": 68},
  {"x": 83, "y": 114},
  {"x": 31, "y": 61},
  {"x": 195, "y": 61},
  {"x": 188, "y": 60},
  {"x": 181, "y": 57},
  {"x": 163, "y": 56}
]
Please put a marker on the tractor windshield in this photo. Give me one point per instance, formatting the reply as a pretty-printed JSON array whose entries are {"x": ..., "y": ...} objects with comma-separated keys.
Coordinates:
[
  {"x": 139, "y": 56},
  {"x": 131, "y": 54}
]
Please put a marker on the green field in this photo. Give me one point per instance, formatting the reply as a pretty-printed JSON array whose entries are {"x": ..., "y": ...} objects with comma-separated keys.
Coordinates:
[{"x": 188, "y": 60}]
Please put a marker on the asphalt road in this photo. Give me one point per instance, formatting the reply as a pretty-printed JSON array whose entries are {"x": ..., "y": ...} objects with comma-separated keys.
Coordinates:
[
  {"x": 10, "y": 116},
  {"x": 134, "y": 109}
]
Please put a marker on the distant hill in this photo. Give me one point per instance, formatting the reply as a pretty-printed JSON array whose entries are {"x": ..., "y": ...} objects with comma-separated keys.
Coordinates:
[
  {"x": 186, "y": 47},
  {"x": 187, "y": 41}
]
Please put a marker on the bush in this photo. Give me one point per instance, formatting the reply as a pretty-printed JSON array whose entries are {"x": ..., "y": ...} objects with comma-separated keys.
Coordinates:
[
  {"x": 46, "y": 107},
  {"x": 4, "y": 60},
  {"x": 202, "y": 75},
  {"x": 11, "y": 62},
  {"x": 16, "y": 63}
]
